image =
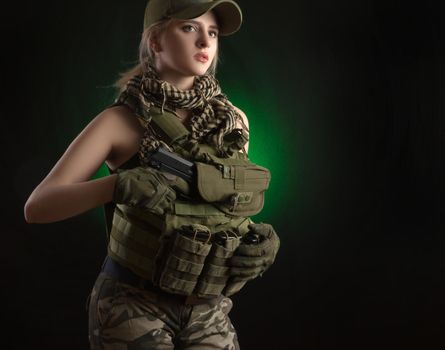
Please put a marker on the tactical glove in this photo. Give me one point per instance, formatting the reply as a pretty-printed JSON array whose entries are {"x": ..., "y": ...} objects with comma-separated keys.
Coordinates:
[
  {"x": 177, "y": 183},
  {"x": 251, "y": 260},
  {"x": 145, "y": 188}
]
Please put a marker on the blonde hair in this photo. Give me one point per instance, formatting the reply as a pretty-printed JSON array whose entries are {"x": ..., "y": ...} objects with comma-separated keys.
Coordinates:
[{"x": 146, "y": 55}]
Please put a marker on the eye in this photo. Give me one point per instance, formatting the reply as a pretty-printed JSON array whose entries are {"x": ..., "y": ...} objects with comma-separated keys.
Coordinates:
[
  {"x": 213, "y": 34},
  {"x": 188, "y": 28}
]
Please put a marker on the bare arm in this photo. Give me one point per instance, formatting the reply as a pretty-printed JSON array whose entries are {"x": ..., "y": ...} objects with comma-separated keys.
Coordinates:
[{"x": 67, "y": 190}]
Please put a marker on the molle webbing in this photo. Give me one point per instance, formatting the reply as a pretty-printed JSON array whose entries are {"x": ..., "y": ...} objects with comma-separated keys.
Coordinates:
[
  {"x": 215, "y": 275},
  {"x": 195, "y": 261},
  {"x": 148, "y": 244},
  {"x": 183, "y": 263},
  {"x": 200, "y": 209},
  {"x": 134, "y": 239},
  {"x": 135, "y": 235},
  {"x": 207, "y": 215}
]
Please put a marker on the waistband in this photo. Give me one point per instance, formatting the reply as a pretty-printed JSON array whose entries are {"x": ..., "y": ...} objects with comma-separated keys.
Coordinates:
[{"x": 118, "y": 272}]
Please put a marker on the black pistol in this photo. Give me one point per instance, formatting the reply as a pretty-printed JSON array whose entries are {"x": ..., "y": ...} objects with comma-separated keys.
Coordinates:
[{"x": 164, "y": 160}]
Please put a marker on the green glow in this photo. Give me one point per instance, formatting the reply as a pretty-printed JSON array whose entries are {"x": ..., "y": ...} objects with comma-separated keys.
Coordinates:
[
  {"x": 98, "y": 213},
  {"x": 271, "y": 135},
  {"x": 270, "y": 140},
  {"x": 101, "y": 172}
]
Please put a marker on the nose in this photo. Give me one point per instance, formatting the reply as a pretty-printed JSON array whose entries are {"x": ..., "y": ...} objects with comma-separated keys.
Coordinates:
[{"x": 203, "y": 41}]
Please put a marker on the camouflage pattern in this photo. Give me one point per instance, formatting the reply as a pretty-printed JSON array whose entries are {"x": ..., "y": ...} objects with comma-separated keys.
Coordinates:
[{"x": 123, "y": 317}]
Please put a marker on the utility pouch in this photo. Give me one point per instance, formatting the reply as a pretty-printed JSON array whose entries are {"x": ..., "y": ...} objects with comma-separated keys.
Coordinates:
[
  {"x": 235, "y": 186},
  {"x": 184, "y": 259},
  {"x": 215, "y": 274}
]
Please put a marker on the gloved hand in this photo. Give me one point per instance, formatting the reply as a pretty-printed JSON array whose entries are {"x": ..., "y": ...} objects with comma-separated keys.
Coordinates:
[
  {"x": 251, "y": 260},
  {"x": 177, "y": 183},
  {"x": 144, "y": 187}
]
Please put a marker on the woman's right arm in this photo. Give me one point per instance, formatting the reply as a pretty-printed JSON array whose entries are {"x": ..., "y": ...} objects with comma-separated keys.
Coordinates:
[{"x": 67, "y": 190}]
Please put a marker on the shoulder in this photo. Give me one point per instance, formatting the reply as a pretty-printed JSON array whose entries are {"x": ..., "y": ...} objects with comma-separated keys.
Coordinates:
[
  {"x": 120, "y": 115},
  {"x": 124, "y": 130},
  {"x": 120, "y": 121}
]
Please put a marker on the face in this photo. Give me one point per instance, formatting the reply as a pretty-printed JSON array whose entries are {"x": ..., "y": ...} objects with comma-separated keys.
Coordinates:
[{"x": 187, "y": 48}]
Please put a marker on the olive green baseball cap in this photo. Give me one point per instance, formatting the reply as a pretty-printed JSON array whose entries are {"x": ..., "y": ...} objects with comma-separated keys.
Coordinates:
[{"x": 227, "y": 12}]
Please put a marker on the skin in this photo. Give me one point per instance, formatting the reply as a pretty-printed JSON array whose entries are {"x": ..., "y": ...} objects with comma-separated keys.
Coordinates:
[
  {"x": 115, "y": 134},
  {"x": 175, "y": 49}
]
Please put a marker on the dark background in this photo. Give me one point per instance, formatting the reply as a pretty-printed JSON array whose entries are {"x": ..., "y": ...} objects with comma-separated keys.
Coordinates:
[{"x": 351, "y": 94}]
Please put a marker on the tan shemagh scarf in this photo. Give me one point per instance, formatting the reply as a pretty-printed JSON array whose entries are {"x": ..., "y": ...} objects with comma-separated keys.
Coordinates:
[{"x": 213, "y": 115}]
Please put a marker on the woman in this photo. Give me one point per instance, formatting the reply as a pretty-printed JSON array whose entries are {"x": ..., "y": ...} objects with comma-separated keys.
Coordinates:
[{"x": 181, "y": 190}]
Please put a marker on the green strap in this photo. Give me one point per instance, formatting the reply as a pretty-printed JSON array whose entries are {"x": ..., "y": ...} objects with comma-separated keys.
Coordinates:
[
  {"x": 201, "y": 209},
  {"x": 170, "y": 125},
  {"x": 143, "y": 218},
  {"x": 232, "y": 161},
  {"x": 123, "y": 253},
  {"x": 204, "y": 289},
  {"x": 192, "y": 246},
  {"x": 176, "y": 285},
  {"x": 242, "y": 226},
  {"x": 179, "y": 264},
  {"x": 123, "y": 229},
  {"x": 240, "y": 178}
]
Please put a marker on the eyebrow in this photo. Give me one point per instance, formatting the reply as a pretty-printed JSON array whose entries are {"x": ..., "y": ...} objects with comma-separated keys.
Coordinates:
[{"x": 201, "y": 24}]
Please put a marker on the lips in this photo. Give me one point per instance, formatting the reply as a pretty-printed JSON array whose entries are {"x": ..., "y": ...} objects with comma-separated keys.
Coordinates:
[{"x": 201, "y": 57}]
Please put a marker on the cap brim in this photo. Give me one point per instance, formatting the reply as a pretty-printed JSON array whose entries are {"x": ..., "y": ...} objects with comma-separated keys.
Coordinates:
[{"x": 227, "y": 12}]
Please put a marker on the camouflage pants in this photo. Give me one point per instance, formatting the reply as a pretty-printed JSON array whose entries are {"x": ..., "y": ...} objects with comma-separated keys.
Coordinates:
[{"x": 122, "y": 317}]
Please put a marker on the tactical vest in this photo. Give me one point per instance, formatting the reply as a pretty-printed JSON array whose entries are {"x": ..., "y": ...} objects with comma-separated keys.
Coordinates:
[{"x": 156, "y": 247}]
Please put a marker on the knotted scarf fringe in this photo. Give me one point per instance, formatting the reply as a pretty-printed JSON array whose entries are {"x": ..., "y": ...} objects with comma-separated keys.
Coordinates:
[{"x": 213, "y": 115}]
